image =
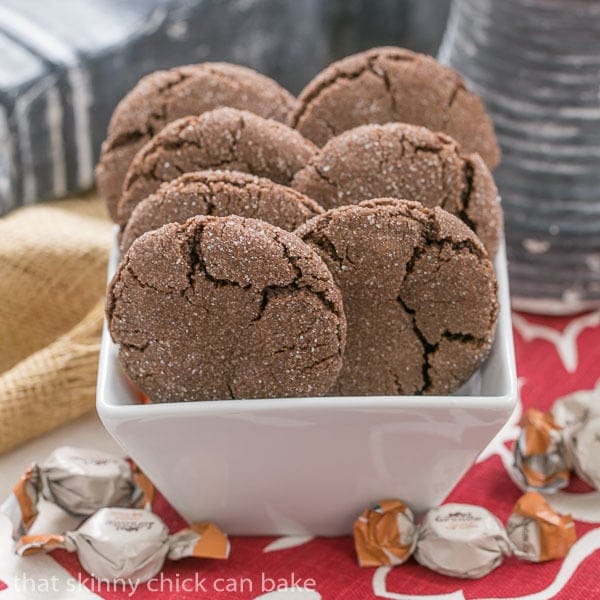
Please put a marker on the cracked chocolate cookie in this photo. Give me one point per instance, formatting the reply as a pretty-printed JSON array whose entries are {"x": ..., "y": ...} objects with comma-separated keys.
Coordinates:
[
  {"x": 405, "y": 161},
  {"x": 219, "y": 193},
  {"x": 164, "y": 96},
  {"x": 393, "y": 84},
  {"x": 419, "y": 295},
  {"x": 226, "y": 307},
  {"x": 224, "y": 138}
]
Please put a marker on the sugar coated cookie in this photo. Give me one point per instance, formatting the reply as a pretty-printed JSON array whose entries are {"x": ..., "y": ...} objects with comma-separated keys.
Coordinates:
[
  {"x": 394, "y": 84},
  {"x": 164, "y": 96},
  {"x": 226, "y": 307},
  {"x": 224, "y": 138},
  {"x": 419, "y": 295},
  {"x": 399, "y": 160},
  {"x": 219, "y": 193}
]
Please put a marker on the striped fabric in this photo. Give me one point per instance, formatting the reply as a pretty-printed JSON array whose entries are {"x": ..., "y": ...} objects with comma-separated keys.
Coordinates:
[{"x": 66, "y": 63}]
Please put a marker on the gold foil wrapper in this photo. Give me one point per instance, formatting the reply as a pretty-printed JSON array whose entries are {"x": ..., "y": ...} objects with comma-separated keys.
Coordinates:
[
  {"x": 129, "y": 545},
  {"x": 537, "y": 532},
  {"x": 385, "y": 534}
]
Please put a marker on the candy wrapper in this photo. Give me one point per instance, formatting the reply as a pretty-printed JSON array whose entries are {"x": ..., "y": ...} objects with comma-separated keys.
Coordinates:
[
  {"x": 539, "y": 453},
  {"x": 537, "y": 532},
  {"x": 78, "y": 480},
  {"x": 385, "y": 534},
  {"x": 567, "y": 438},
  {"x": 582, "y": 448},
  {"x": 579, "y": 415},
  {"x": 129, "y": 545},
  {"x": 461, "y": 540},
  {"x": 577, "y": 408}
]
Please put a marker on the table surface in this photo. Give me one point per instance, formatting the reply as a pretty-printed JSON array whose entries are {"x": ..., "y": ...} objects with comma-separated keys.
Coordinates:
[{"x": 555, "y": 356}]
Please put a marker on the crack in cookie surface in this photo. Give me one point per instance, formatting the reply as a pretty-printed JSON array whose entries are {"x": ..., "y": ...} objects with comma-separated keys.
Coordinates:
[
  {"x": 331, "y": 75},
  {"x": 219, "y": 193},
  {"x": 404, "y": 161},
  {"x": 164, "y": 96},
  {"x": 425, "y": 247},
  {"x": 226, "y": 305},
  {"x": 368, "y": 87},
  {"x": 221, "y": 139}
]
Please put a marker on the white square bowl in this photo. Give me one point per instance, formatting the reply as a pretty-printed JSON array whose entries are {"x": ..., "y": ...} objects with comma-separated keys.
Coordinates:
[{"x": 309, "y": 465}]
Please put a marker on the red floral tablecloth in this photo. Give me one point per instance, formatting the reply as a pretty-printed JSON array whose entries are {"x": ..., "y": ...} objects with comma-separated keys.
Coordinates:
[{"x": 555, "y": 356}]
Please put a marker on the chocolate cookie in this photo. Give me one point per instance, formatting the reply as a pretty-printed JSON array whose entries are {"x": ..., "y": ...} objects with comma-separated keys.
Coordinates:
[
  {"x": 226, "y": 307},
  {"x": 164, "y": 96},
  {"x": 419, "y": 295},
  {"x": 219, "y": 193},
  {"x": 224, "y": 138},
  {"x": 394, "y": 84},
  {"x": 405, "y": 161}
]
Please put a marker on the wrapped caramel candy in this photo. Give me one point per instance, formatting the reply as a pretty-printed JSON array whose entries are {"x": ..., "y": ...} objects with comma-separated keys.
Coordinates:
[
  {"x": 80, "y": 481},
  {"x": 128, "y": 544},
  {"x": 461, "y": 540},
  {"x": 579, "y": 415},
  {"x": 537, "y": 532},
  {"x": 539, "y": 453},
  {"x": 385, "y": 534},
  {"x": 582, "y": 450},
  {"x": 576, "y": 408}
]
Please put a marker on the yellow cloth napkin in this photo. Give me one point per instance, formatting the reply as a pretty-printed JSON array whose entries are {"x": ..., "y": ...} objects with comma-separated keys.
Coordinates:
[{"x": 52, "y": 281}]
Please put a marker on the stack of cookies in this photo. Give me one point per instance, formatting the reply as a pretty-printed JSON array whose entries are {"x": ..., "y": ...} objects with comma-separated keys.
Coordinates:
[{"x": 339, "y": 243}]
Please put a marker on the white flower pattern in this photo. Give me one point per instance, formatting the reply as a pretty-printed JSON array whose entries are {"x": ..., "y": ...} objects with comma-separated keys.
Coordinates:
[
  {"x": 287, "y": 541},
  {"x": 585, "y": 507}
]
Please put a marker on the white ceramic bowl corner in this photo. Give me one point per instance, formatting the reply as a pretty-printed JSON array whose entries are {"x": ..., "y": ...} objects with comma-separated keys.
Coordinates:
[{"x": 309, "y": 465}]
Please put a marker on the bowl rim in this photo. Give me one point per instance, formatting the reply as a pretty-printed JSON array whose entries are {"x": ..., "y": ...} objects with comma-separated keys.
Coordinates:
[{"x": 503, "y": 402}]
